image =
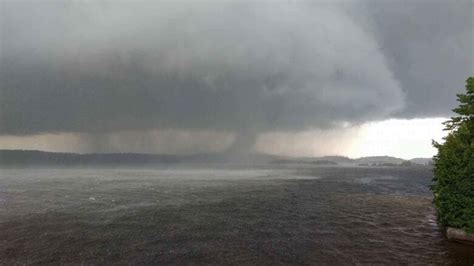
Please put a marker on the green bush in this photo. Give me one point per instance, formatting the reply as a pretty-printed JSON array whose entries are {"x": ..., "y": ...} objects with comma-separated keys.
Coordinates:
[{"x": 453, "y": 186}]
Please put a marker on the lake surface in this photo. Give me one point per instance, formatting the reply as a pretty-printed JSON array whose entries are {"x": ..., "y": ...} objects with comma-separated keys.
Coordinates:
[{"x": 222, "y": 215}]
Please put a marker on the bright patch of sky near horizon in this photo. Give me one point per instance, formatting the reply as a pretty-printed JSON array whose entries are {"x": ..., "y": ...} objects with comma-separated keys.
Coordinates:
[
  {"x": 395, "y": 137},
  {"x": 399, "y": 138}
]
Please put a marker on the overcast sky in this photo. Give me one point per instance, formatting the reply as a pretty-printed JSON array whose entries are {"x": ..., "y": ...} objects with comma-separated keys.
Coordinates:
[{"x": 196, "y": 76}]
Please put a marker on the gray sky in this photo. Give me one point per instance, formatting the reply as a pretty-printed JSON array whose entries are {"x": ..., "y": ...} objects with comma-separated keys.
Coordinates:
[{"x": 98, "y": 68}]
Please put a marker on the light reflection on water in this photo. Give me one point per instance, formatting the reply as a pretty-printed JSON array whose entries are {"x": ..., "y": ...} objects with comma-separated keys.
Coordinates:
[{"x": 191, "y": 214}]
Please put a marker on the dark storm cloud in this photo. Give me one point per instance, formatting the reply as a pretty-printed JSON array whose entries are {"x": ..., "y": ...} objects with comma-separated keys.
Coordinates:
[
  {"x": 86, "y": 67},
  {"x": 429, "y": 45},
  {"x": 78, "y": 66}
]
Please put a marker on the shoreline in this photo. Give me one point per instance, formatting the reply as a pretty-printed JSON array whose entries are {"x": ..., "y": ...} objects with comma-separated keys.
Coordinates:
[{"x": 459, "y": 235}]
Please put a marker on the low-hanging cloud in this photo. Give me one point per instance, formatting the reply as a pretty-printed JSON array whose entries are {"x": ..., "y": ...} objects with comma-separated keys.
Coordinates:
[
  {"x": 429, "y": 46},
  {"x": 238, "y": 66},
  {"x": 86, "y": 67}
]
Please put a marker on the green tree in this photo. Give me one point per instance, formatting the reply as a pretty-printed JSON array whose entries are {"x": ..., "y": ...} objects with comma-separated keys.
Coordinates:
[{"x": 454, "y": 166}]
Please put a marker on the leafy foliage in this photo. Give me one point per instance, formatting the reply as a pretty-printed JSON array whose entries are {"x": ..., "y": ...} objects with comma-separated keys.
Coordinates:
[{"x": 454, "y": 166}]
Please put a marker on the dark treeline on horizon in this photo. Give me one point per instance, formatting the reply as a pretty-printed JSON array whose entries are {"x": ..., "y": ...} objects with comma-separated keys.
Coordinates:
[
  {"x": 27, "y": 157},
  {"x": 34, "y": 157}
]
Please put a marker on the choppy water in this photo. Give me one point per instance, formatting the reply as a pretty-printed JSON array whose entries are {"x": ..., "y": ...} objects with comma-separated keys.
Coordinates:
[{"x": 222, "y": 215}]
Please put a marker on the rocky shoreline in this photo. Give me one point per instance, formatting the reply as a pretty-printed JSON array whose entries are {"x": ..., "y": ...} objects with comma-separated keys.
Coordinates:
[{"x": 459, "y": 235}]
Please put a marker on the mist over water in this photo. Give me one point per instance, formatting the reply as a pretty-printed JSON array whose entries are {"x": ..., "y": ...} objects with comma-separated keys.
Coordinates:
[{"x": 222, "y": 214}]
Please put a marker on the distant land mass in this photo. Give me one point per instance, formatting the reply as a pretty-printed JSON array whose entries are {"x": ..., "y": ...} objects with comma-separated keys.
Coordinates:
[{"x": 31, "y": 157}]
